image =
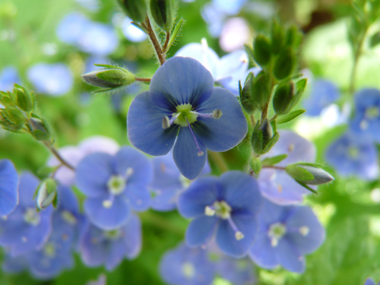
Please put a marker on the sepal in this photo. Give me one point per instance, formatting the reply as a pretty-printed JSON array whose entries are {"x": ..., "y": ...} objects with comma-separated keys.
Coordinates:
[
  {"x": 136, "y": 10},
  {"x": 163, "y": 12},
  {"x": 46, "y": 194}
]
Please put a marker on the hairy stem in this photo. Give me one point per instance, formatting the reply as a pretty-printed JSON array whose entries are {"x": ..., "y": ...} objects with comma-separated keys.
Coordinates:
[
  {"x": 58, "y": 156},
  {"x": 165, "y": 47},
  {"x": 153, "y": 38},
  {"x": 357, "y": 54},
  {"x": 273, "y": 167},
  {"x": 143, "y": 79}
]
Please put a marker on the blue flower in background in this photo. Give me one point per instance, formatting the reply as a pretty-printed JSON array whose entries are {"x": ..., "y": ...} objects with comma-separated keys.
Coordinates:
[
  {"x": 109, "y": 248},
  {"x": 8, "y": 187},
  {"x": 91, "y": 5},
  {"x": 185, "y": 105},
  {"x": 322, "y": 94},
  {"x": 52, "y": 79},
  {"x": 71, "y": 28},
  {"x": 8, "y": 77},
  {"x": 187, "y": 266},
  {"x": 286, "y": 234},
  {"x": 237, "y": 271},
  {"x": 276, "y": 185},
  {"x": 14, "y": 264},
  {"x": 114, "y": 184},
  {"x": 369, "y": 281},
  {"x": 25, "y": 229},
  {"x": 131, "y": 32},
  {"x": 228, "y": 206},
  {"x": 366, "y": 121},
  {"x": 351, "y": 154},
  {"x": 168, "y": 182}
]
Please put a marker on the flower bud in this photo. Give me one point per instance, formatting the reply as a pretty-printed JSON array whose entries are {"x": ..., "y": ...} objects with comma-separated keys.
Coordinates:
[
  {"x": 293, "y": 37},
  {"x": 284, "y": 64},
  {"x": 262, "y": 50},
  {"x": 260, "y": 90},
  {"x": 46, "y": 193},
  {"x": 246, "y": 95},
  {"x": 109, "y": 78},
  {"x": 39, "y": 129},
  {"x": 261, "y": 135},
  {"x": 163, "y": 12},
  {"x": 255, "y": 164},
  {"x": 308, "y": 173},
  {"x": 283, "y": 98},
  {"x": 134, "y": 9},
  {"x": 24, "y": 98},
  {"x": 8, "y": 122},
  {"x": 277, "y": 36}
]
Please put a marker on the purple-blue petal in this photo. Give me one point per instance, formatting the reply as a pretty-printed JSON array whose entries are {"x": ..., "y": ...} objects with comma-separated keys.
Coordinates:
[
  {"x": 200, "y": 230},
  {"x": 8, "y": 187},
  {"x": 263, "y": 253},
  {"x": 289, "y": 257},
  {"x": 132, "y": 237},
  {"x": 138, "y": 196}
]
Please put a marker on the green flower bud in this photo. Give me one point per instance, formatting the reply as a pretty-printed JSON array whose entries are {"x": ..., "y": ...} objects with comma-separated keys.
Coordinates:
[
  {"x": 293, "y": 37},
  {"x": 262, "y": 50},
  {"x": 6, "y": 121},
  {"x": 308, "y": 173},
  {"x": 246, "y": 95},
  {"x": 110, "y": 78},
  {"x": 261, "y": 136},
  {"x": 134, "y": 9},
  {"x": 255, "y": 164},
  {"x": 39, "y": 129},
  {"x": 277, "y": 36},
  {"x": 283, "y": 98},
  {"x": 163, "y": 12},
  {"x": 24, "y": 98},
  {"x": 46, "y": 193},
  {"x": 260, "y": 90},
  {"x": 284, "y": 64}
]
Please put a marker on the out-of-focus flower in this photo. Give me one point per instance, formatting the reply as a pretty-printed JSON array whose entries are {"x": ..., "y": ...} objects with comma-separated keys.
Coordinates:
[
  {"x": 71, "y": 28},
  {"x": 235, "y": 34},
  {"x": 351, "y": 154},
  {"x": 285, "y": 235},
  {"x": 187, "y": 266},
  {"x": 8, "y": 187},
  {"x": 185, "y": 108},
  {"x": 369, "y": 281},
  {"x": 100, "y": 281},
  {"x": 276, "y": 185},
  {"x": 237, "y": 271},
  {"x": 91, "y": 5},
  {"x": 131, "y": 32},
  {"x": 8, "y": 77},
  {"x": 113, "y": 185},
  {"x": 227, "y": 206},
  {"x": 109, "y": 248},
  {"x": 51, "y": 79}
]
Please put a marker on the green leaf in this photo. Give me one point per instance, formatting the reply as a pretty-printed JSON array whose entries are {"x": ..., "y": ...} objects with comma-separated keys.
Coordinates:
[
  {"x": 291, "y": 116},
  {"x": 306, "y": 186},
  {"x": 374, "y": 40},
  {"x": 175, "y": 33},
  {"x": 269, "y": 161}
]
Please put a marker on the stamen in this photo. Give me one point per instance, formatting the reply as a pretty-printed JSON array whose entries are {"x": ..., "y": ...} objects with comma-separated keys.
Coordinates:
[
  {"x": 200, "y": 152},
  {"x": 304, "y": 230},
  {"x": 216, "y": 114},
  {"x": 209, "y": 211},
  {"x": 166, "y": 122},
  {"x": 108, "y": 203},
  {"x": 129, "y": 172},
  {"x": 238, "y": 234}
]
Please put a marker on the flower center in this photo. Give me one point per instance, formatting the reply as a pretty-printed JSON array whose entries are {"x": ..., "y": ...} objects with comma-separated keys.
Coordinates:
[
  {"x": 32, "y": 217},
  {"x": 276, "y": 232},
  {"x": 184, "y": 116},
  {"x": 188, "y": 270},
  {"x": 116, "y": 184},
  {"x": 372, "y": 112},
  {"x": 68, "y": 217},
  {"x": 353, "y": 152},
  {"x": 49, "y": 250},
  {"x": 112, "y": 235}
]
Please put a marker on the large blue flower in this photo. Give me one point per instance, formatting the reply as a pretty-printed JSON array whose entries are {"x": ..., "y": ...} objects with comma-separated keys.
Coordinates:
[
  {"x": 168, "y": 182},
  {"x": 276, "y": 185},
  {"x": 367, "y": 114},
  {"x": 114, "y": 184},
  {"x": 187, "y": 266},
  {"x": 8, "y": 187},
  {"x": 353, "y": 155},
  {"x": 182, "y": 103},
  {"x": 25, "y": 229},
  {"x": 228, "y": 206},
  {"x": 109, "y": 248},
  {"x": 286, "y": 234}
]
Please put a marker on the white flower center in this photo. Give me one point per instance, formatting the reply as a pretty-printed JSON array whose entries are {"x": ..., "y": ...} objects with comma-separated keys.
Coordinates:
[
  {"x": 188, "y": 270},
  {"x": 276, "y": 232},
  {"x": 32, "y": 217}
]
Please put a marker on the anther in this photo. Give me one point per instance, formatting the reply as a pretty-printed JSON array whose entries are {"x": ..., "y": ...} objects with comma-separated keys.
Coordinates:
[
  {"x": 166, "y": 122},
  {"x": 209, "y": 211},
  {"x": 200, "y": 152},
  {"x": 216, "y": 114},
  {"x": 238, "y": 234},
  {"x": 304, "y": 230}
]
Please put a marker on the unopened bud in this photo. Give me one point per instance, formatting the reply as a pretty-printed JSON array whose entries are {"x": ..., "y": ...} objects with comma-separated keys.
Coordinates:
[
  {"x": 46, "y": 193},
  {"x": 24, "y": 98},
  {"x": 262, "y": 50},
  {"x": 255, "y": 164},
  {"x": 261, "y": 136},
  {"x": 246, "y": 96},
  {"x": 308, "y": 174},
  {"x": 163, "y": 12},
  {"x": 39, "y": 129},
  {"x": 283, "y": 98},
  {"x": 261, "y": 90},
  {"x": 109, "y": 78},
  {"x": 284, "y": 64},
  {"x": 277, "y": 36},
  {"x": 134, "y": 9}
]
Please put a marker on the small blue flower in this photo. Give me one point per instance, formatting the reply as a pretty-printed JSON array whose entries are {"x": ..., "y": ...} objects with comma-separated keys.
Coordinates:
[
  {"x": 71, "y": 28},
  {"x": 286, "y": 234},
  {"x": 25, "y": 229},
  {"x": 8, "y": 187},
  {"x": 168, "y": 182},
  {"x": 351, "y": 154},
  {"x": 367, "y": 114},
  {"x": 182, "y": 103},
  {"x": 91, "y": 5},
  {"x": 131, "y": 32},
  {"x": 276, "y": 185},
  {"x": 13, "y": 264},
  {"x": 8, "y": 77},
  {"x": 322, "y": 94},
  {"x": 187, "y": 266},
  {"x": 369, "y": 281},
  {"x": 51, "y": 79},
  {"x": 109, "y": 248},
  {"x": 114, "y": 184},
  {"x": 237, "y": 271},
  {"x": 228, "y": 206}
]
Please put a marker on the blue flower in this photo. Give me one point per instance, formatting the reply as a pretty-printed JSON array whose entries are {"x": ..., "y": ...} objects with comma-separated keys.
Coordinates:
[
  {"x": 351, "y": 154},
  {"x": 52, "y": 79},
  {"x": 366, "y": 121},
  {"x": 114, "y": 184},
  {"x": 286, "y": 234},
  {"x": 237, "y": 271},
  {"x": 131, "y": 32},
  {"x": 228, "y": 206},
  {"x": 369, "y": 281},
  {"x": 182, "y": 103},
  {"x": 25, "y": 229},
  {"x": 71, "y": 28},
  {"x": 13, "y": 265},
  {"x": 322, "y": 94},
  {"x": 109, "y": 248},
  {"x": 8, "y": 77},
  {"x": 92, "y": 5},
  {"x": 276, "y": 185},
  {"x": 168, "y": 182},
  {"x": 187, "y": 266},
  {"x": 8, "y": 187}
]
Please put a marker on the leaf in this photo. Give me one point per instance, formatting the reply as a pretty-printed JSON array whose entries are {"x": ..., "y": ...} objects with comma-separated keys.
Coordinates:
[
  {"x": 374, "y": 40},
  {"x": 269, "y": 161},
  {"x": 175, "y": 33},
  {"x": 291, "y": 116}
]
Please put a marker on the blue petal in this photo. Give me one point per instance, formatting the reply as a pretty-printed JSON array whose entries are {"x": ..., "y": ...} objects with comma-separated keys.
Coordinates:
[
  {"x": 200, "y": 230},
  {"x": 8, "y": 187},
  {"x": 130, "y": 158},
  {"x": 93, "y": 173},
  {"x": 226, "y": 132},
  {"x": 27, "y": 187},
  {"x": 14, "y": 264},
  {"x": 164, "y": 200},
  {"x": 138, "y": 196},
  {"x": 201, "y": 193},
  {"x": 132, "y": 237},
  {"x": 93, "y": 250},
  {"x": 241, "y": 192},
  {"x": 115, "y": 254},
  {"x": 369, "y": 281},
  {"x": 144, "y": 125},
  {"x": 233, "y": 65},
  {"x": 289, "y": 257},
  {"x": 166, "y": 173},
  {"x": 263, "y": 253},
  {"x": 107, "y": 218},
  {"x": 185, "y": 154},
  {"x": 181, "y": 80},
  {"x": 67, "y": 200},
  {"x": 225, "y": 235}
]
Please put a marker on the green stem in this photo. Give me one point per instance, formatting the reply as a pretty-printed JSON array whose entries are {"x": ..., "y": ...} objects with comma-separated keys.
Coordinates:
[
  {"x": 219, "y": 160},
  {"x": 357, "y": 55},
  {"x": 153, "y": 38},
  {"x": 58, "y": 156}
]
